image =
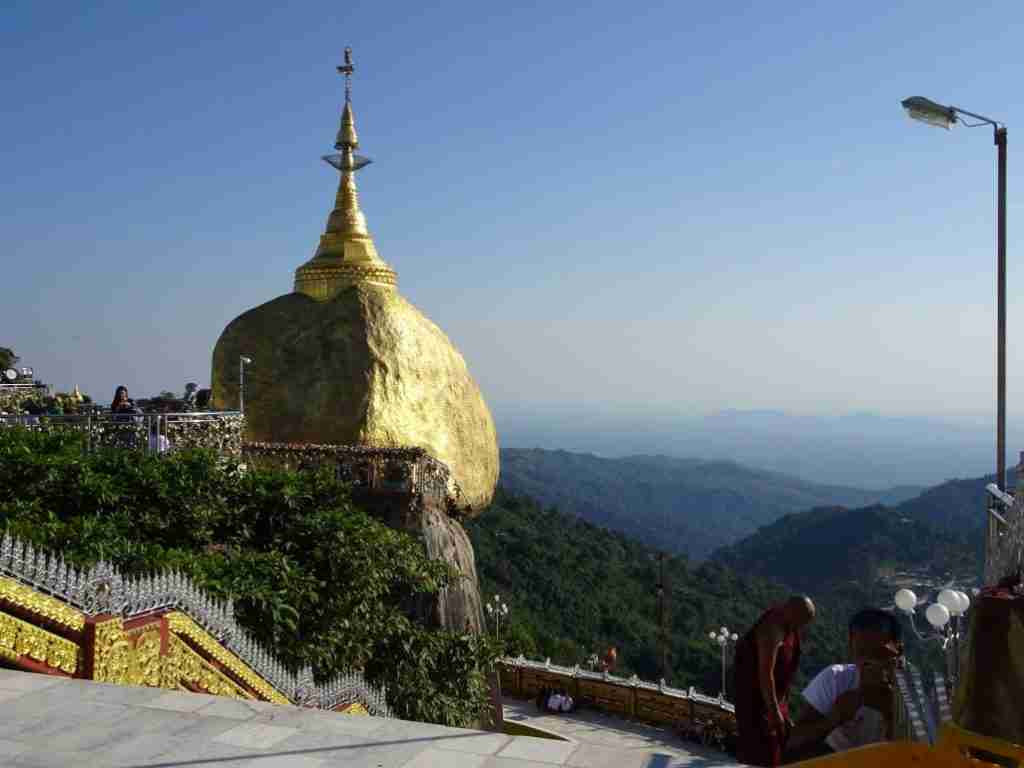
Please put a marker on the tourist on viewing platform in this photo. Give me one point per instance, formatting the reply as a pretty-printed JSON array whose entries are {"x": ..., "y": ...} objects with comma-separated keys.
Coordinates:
[
  {"x": 767, "y": 657},
  {"x": 847, "y": 705},
  {"x": 122, "y": 403},
  {"x": 189, "y": 401}
]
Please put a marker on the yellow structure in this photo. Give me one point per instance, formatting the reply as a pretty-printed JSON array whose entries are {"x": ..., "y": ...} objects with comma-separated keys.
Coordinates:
[
  {"x": 346, "y": 360},
  {"x": 955, "y": 749}
]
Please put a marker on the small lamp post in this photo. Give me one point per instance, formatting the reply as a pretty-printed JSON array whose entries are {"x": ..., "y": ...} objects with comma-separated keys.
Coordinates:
[
  {"x": 927, "y": 111},
  {"x": 242, "y": 362},
  {"x": 496, "y": 609},
  {"x": 945, "y": 615},
  {"x": 725, "y": 640}
]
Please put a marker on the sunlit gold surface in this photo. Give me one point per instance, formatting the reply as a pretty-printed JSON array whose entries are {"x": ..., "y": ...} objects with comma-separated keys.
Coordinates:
[
  {"x": 112, "y": 653},
  {"x": 183, "y": 666},
  {"x": 346, "y": 360},
  {"x": 365, "y": 368},
  {"x": 180, "y": 624},
  {"x": 346, "y": 255},
  {"x": 19, "y": 638},
  {"x": 38, "y": 604}
]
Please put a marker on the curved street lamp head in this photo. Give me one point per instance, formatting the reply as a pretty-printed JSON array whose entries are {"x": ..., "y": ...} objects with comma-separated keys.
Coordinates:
[
  {"x": 927, "y": 111},
  {"x": 245, "y": 359}
]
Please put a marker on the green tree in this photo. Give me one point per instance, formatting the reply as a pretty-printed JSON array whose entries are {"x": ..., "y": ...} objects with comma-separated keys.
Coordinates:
[{"x": 7, "y": 358}]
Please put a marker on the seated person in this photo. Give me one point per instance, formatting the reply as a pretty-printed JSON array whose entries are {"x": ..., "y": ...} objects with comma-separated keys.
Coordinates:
[
  {"x": 848, "y": 705},
  {"x": 158, "y": 443},
  {"x": 559, "y": 701}
]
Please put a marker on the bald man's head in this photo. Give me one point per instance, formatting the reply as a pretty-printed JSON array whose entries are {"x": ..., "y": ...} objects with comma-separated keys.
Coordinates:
[{"x": 799, "y": 611}]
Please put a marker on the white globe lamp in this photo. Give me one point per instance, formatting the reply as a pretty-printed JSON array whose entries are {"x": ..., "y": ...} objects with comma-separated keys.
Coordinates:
[
  {"x": 948, "y": 598},
  {"x": 906, "y": 600},
  {"x": 965, "y": 602},
  {"x": 937, "y": 615}
]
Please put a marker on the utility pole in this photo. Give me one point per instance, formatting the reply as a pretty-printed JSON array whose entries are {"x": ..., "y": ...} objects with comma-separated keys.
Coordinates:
[{"x": 661, "y": 590}]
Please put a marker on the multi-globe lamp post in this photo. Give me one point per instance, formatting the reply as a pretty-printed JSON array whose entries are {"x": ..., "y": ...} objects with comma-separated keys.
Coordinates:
[
  {"x": 945, "y": 615},
  {"x": 724, "y": 639},
  {"x": 497, "y": 610},
  {"x": 927, "y": 111}
]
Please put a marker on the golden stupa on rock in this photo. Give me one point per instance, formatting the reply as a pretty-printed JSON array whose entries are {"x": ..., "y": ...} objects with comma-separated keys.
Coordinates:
[{"x": 345, "y": 359}]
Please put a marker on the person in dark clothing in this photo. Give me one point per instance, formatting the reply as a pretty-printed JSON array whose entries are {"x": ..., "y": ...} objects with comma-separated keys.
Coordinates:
[
  {"x": 122, "y": 403},
  {"x": 767, "y": 657}
]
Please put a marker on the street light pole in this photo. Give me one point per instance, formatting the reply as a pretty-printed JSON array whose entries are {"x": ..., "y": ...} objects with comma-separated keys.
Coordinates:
[
  {"x": 242, "y": 361},
  {"x": 725, "y": 639},
  {"x": 928, "y": 111},
  {"x": 1000, "y": 140}
]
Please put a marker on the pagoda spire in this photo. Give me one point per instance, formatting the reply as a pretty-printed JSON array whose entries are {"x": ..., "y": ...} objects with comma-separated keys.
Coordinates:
[{"x": 346, "y": 255}]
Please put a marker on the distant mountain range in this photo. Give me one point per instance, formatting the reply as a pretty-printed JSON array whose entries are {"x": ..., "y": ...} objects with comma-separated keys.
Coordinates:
[
  {"x": 861, "y": 450},
  {"x": 687, "y": 506}
]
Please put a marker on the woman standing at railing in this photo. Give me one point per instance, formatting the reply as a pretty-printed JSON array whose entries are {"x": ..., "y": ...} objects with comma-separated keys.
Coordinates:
[{"x": 122, "y": 403}]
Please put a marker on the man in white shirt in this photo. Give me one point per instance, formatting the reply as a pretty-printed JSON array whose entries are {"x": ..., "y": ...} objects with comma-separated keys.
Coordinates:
[{"x": 835, "y": 717}]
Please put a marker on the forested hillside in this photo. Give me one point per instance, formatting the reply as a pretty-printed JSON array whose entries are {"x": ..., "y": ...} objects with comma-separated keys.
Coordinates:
[
  {"x": 828, "y": 546},
  {"x": 955, "y": 505},
  {"x": 574, "y": 588},
  {"x": 688, "y": 506}
]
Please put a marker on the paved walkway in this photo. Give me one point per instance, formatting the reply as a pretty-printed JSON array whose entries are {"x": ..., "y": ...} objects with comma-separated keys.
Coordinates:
[
  {"x": 604, "y": 741},
  {"x": 50, "y": 721}
]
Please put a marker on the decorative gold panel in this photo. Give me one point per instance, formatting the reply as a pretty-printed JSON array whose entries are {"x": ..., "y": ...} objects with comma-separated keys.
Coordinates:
[
  {"x": 38, "y": 604},
  {"x": 19, "y": 638},
  {"x": 112, "y": 653},
  {"x": 180, "y": 624},
  {"x": 182, "y": 665}
]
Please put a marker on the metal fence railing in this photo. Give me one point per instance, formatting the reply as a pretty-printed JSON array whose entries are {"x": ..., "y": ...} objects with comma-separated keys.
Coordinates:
[{"x": 220, "y": 431}]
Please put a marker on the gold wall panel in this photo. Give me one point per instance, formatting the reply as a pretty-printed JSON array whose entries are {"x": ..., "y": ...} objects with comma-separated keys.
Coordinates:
[
  {"x": 180, "y": 624},
  {"x": 38, "y": 604},
  {"x": 20, "y": 639},
  {"x": 183, "y": 667}
]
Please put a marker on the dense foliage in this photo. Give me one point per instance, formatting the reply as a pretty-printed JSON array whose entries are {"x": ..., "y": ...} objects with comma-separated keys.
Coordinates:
[
  {"x": 574, "y": 588},
  {"x": 686, "y": 505},
  {"x": 316, "y": 579},
  {"x": 827, "y": 546}
]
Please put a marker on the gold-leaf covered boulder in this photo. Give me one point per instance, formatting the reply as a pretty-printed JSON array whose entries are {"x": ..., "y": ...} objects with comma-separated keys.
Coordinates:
[
  {"x": 362, "y": 368},
  {"x": 345, "y": 359}
]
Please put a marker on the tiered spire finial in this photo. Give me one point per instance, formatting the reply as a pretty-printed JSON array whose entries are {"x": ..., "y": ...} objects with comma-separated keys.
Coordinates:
[
  {"x": 346, "y": 255},
  {"x": 347, "y": 69}
]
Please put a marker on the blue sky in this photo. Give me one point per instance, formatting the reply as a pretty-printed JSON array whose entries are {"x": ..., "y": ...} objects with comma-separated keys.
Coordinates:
[{"x": 662, "y": 206}]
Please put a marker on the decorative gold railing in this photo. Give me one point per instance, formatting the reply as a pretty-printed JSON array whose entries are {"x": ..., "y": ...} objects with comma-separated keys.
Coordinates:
[{"x": 159, "y": 630}]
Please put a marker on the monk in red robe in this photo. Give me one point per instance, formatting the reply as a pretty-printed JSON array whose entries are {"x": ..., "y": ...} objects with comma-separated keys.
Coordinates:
[{"x": 766, "y": 662}]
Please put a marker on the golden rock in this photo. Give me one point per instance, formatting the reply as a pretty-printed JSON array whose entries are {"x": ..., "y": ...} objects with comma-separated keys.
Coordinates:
[
  {"x": 345, "y": 359},
  {"x": 364, "y": 368}
]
